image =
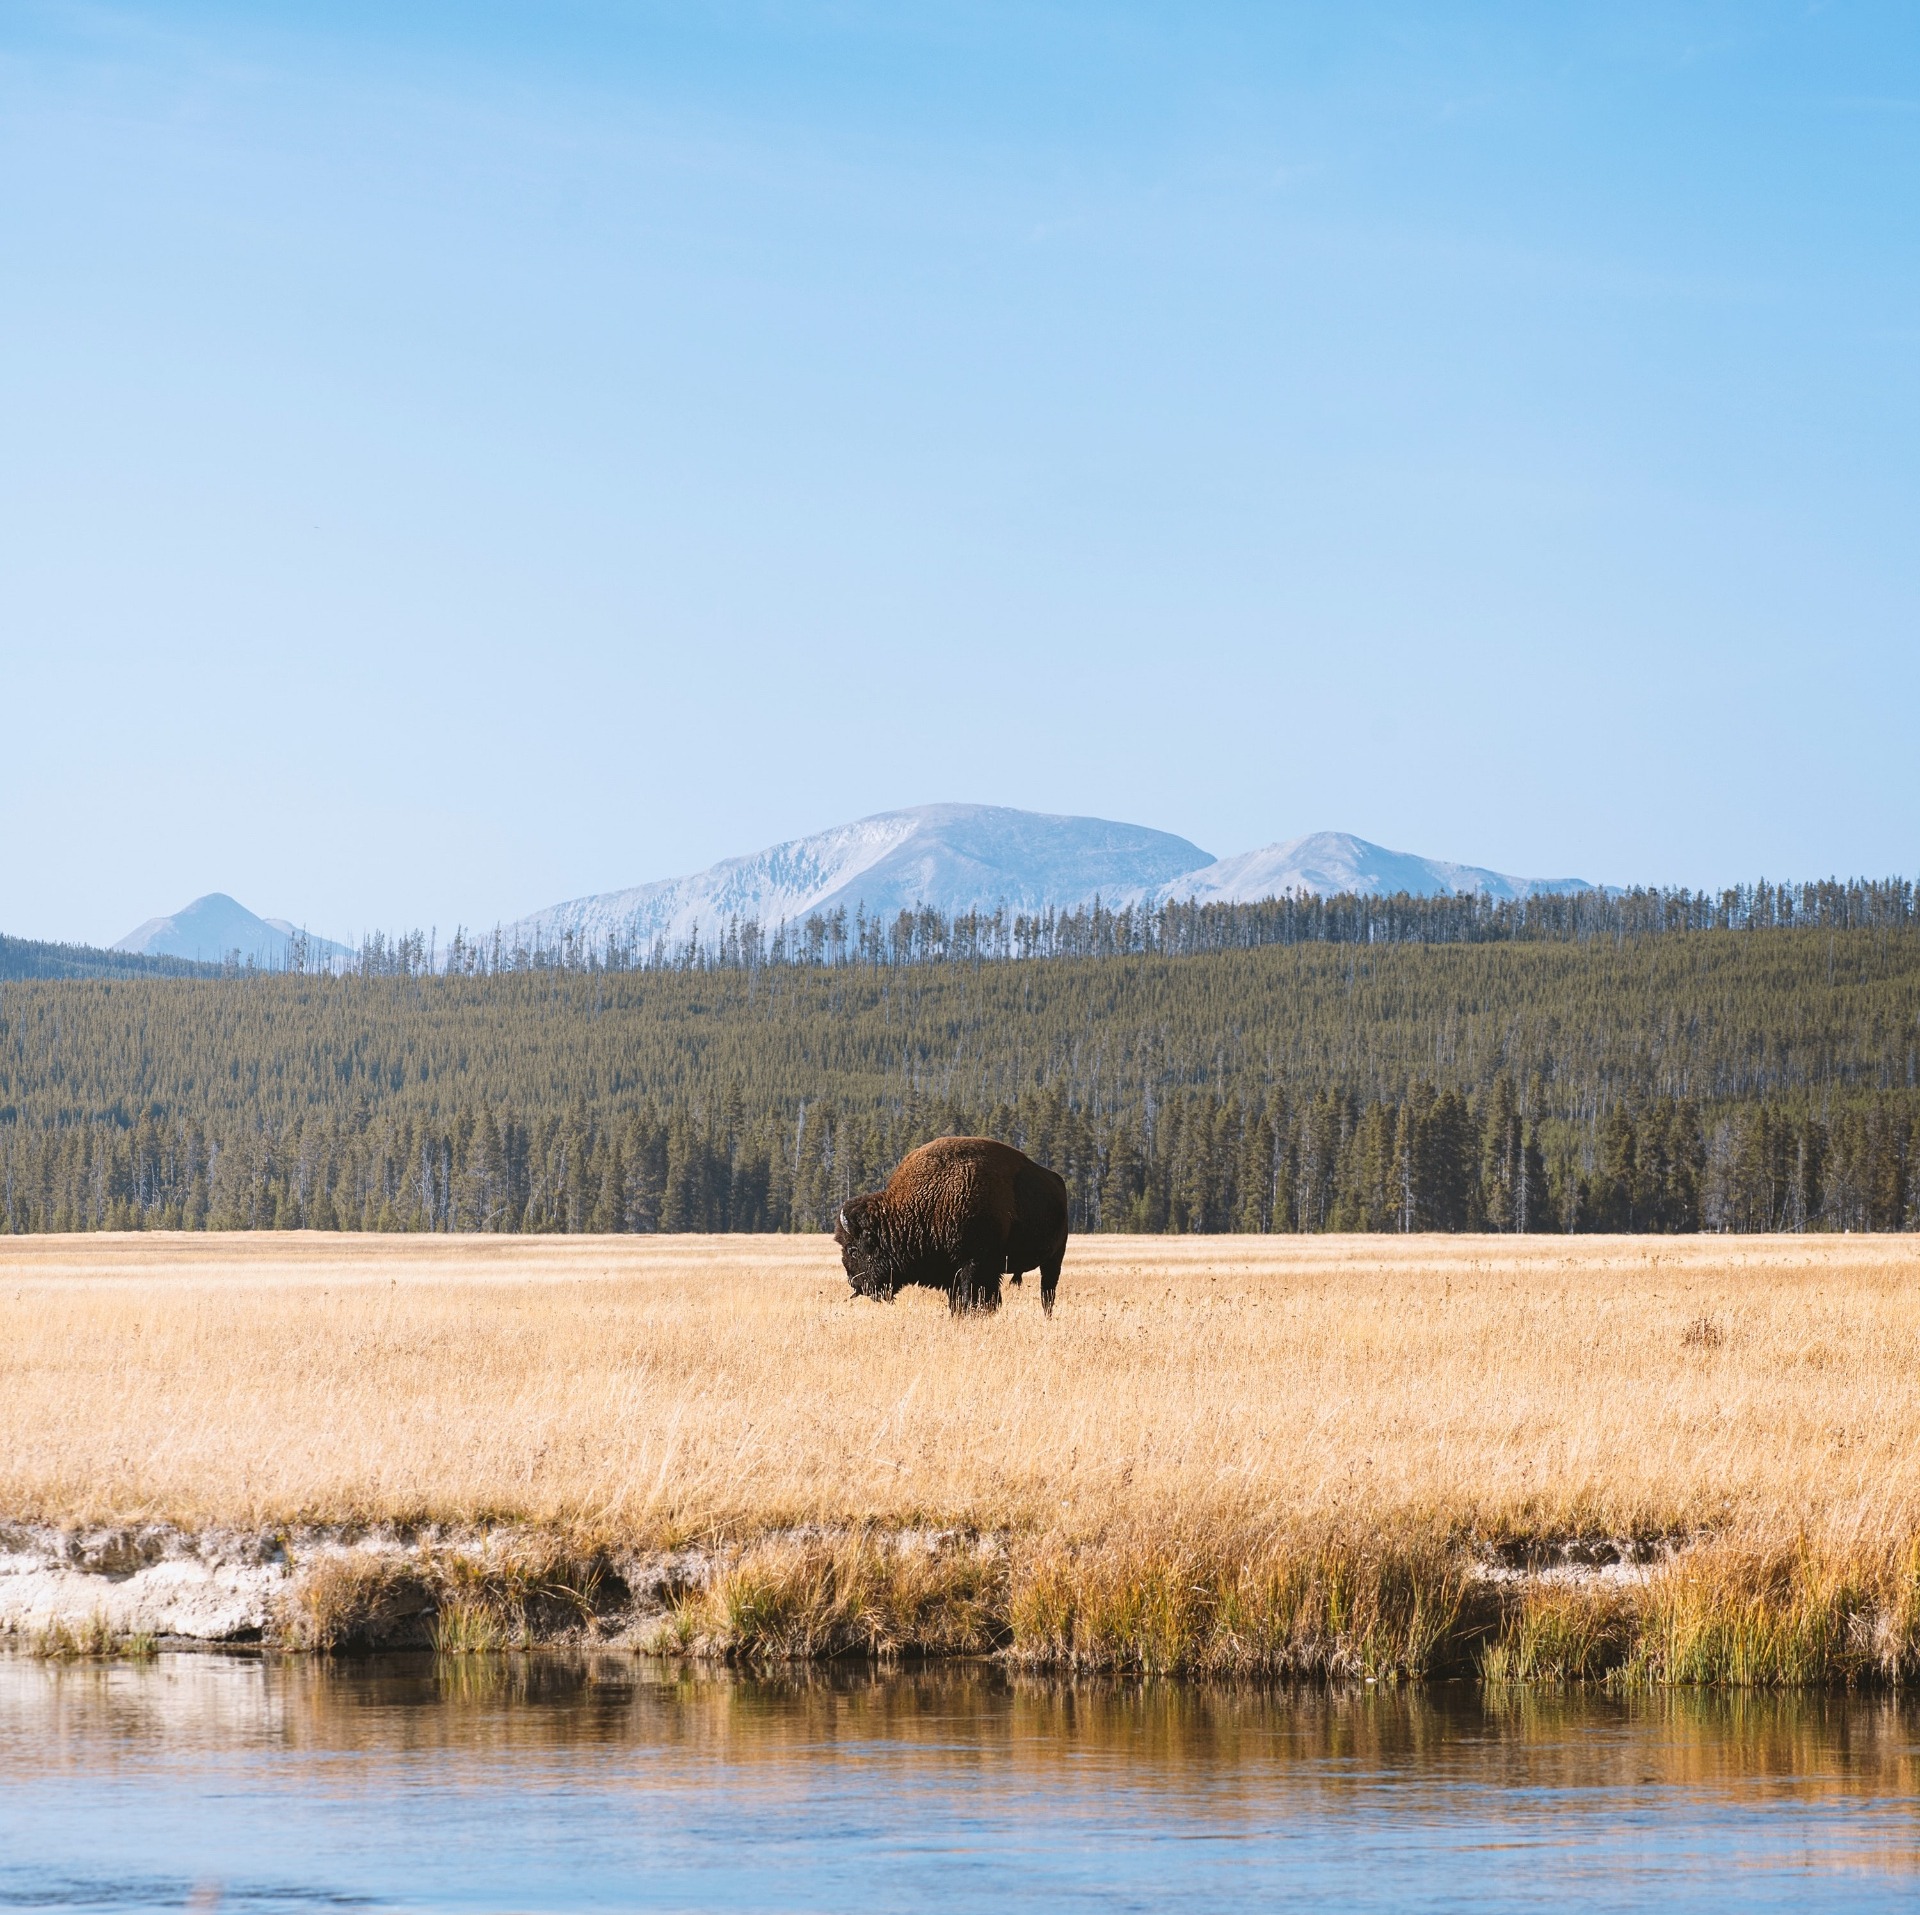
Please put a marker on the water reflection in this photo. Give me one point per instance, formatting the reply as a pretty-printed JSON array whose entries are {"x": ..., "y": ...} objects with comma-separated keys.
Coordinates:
[{"x": 561, "y": 1781}]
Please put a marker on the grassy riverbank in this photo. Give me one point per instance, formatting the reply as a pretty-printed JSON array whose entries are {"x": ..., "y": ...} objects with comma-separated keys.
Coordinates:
[{"x": 1674, "y": 1460}]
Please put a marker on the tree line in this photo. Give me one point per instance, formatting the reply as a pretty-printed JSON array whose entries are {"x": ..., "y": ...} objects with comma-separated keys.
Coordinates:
[
  {"x": 1179, "y": 928},
  {"x": 1435, "y": 1160},
  {"x": 1713, "y": 1081},
  {"x": 34, "y": 957}
]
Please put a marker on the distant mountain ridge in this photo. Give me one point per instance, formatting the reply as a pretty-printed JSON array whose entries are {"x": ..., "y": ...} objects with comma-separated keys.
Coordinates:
[
  {"x": 953, "y": 857},
  {"x": 958, "y": 858},
  {"x": 1328, "y": 863},
  {"x": 23, "y": 958},
  {"x": 213, "y": 928}
]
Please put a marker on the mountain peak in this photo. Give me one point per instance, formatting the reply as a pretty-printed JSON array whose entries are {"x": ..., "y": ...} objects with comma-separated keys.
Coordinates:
[
  {"x": 954, "y": 857},
  {"x": 961, "y": 857},
  {"x": 1329, "y": 862},
  {"x": 216, "y": 927}
]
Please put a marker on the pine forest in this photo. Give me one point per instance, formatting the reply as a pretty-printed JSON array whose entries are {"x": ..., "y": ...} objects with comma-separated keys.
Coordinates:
[{"x": 1720, "y": 1079}]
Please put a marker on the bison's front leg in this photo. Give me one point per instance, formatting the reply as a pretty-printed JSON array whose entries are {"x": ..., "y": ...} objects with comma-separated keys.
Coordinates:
[{"x": 975, "y": 1290}]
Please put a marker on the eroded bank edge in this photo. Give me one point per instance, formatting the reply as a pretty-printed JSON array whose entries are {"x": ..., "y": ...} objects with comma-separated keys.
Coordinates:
[{"x": 1671, "y": 1609}]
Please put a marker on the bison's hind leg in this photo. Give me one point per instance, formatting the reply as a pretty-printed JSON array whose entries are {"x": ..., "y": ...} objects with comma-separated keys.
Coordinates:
[{"x": 1050, "y": 1277}]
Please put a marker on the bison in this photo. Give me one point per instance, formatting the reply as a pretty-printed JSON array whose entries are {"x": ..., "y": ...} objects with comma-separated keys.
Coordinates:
[{"x": 958, "y": 1215}]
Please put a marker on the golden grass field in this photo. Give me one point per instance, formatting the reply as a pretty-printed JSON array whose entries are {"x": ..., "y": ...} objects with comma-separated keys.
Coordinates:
[
  {"x": 682, "y": 1385},
  {"x": 1199, "y": 1399}
]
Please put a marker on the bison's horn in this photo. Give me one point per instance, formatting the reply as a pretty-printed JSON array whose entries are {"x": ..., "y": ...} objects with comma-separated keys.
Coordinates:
[{"x": 840, "y": 1222}]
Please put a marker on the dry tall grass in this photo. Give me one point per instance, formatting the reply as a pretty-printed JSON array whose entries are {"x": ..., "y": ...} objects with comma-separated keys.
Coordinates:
[
  {"x": 679, "y": 1386},
  {"x": 1280, "y": 1431}
]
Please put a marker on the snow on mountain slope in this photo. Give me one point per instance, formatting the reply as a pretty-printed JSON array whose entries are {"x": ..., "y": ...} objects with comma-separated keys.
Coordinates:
[
  {"x": 956, "y": 858},
  {"x": 216, "y": 926},
  {"x": 953, "y": 857},
  {"x": 1329, "y": 862}
]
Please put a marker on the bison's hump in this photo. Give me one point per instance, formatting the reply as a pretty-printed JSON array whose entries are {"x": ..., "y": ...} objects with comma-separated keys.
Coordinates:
[{"x": 953, "y": 1191}]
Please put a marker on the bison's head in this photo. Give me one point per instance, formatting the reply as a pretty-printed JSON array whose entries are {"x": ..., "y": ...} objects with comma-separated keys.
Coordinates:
[{"x": 862, "y": 1254}]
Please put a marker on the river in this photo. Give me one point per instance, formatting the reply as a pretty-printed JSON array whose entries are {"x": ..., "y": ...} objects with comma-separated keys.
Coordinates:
[{"x": 562, "y": 1782}]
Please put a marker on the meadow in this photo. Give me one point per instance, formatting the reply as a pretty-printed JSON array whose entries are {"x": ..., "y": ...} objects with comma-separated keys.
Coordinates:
[{"x": 1691, "y": 1458}]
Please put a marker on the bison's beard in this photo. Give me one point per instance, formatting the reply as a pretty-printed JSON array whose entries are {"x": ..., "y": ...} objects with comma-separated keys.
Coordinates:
[
  {"x": 866, "y": 1273},
  {"x": 868, "y": 1268}
]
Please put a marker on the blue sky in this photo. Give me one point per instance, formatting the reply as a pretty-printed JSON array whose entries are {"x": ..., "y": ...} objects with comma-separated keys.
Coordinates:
[{"x": 455, "y": 458}]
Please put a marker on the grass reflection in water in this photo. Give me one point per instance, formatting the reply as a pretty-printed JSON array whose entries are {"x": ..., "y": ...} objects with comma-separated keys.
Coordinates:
[{"x": 561, "y": 1779}]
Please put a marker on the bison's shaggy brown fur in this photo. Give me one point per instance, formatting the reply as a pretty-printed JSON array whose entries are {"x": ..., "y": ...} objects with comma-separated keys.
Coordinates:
[{"x": 958, "y": 1215}]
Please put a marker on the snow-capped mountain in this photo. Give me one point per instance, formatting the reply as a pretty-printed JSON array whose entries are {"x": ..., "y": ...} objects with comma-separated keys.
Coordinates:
[
  {"x": 953, "y": 857},
  {"x": 977, "y": 857},
  {"x": 216, "y": 927},
  {"x": 1330, "y": 862},
  {"x": 956, "y": 858}
]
